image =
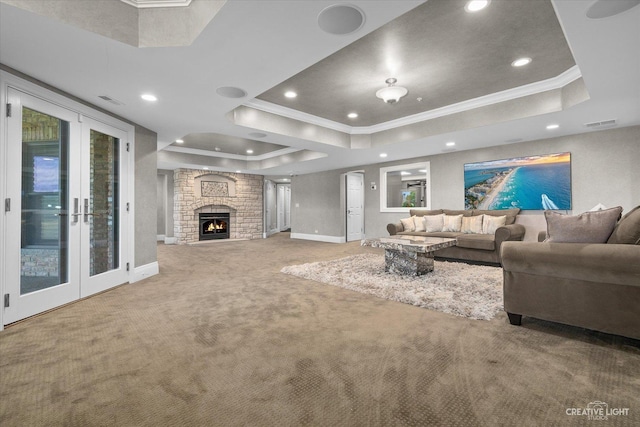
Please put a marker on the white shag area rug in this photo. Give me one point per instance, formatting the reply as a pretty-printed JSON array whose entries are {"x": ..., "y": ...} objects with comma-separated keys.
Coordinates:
[{"x": 471, "y": 291}]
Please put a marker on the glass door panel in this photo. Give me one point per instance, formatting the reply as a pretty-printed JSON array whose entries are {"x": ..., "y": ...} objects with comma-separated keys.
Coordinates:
[
  {"x": 103, "y": 203},
  {"x": 44, "y": 231}
]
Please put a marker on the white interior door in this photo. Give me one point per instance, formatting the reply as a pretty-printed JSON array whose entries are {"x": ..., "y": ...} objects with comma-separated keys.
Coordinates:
[
  {"x": 63, "y": 219},
  {"x": 355, "y": 206},
  {"x": 284, "y": 206}
]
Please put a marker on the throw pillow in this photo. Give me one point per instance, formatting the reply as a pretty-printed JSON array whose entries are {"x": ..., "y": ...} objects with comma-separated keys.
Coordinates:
[
  {"x": 433, "y": 223},
  {"x": 628, "y": 229},
  {"x": 418, "y": 222},
  {"x": 408, "y": 224},
  {"x": 491, "y": 223},
  {"x": 472, "y": 224},
  {"x": 588, "y": 227},
  {"x": 451, "y": 222}
]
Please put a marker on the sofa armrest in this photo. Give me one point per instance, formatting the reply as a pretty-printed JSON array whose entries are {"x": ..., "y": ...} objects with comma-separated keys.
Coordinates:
[
  {"x": 395, "y": 228},
  {"x": 542, "y": 236},
  {"x": 591, "y": 262},
  {"x": 509, "y": 232}
]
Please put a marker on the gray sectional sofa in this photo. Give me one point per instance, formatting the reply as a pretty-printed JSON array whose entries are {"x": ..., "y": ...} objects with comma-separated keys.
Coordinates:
[
  {"x": 473, "y": 247},
  {"x": 590, "y": 285}
]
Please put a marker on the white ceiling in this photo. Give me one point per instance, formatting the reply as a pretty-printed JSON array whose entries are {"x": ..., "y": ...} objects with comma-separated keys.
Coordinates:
[{"x": 257, "y": 45}]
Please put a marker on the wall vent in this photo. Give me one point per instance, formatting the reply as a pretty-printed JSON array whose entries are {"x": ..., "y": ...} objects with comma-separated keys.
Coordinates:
[
  {"x": 592, "y": 125},
  {"x": 111, "y": 100}
]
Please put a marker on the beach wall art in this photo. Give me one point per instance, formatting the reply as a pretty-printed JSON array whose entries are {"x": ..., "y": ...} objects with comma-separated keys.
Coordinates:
[{"x": 529, "y": 183}]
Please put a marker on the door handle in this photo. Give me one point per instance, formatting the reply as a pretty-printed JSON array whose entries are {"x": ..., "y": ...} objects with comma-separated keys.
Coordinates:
[
  {"x": 76, "y": 212},
  {"x": 86, "y": 210}
]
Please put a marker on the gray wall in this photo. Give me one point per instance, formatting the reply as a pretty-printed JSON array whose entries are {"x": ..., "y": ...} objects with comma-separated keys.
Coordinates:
[
  {"x": 604, "y": 169},
  {"x": 146, "y": 196}
]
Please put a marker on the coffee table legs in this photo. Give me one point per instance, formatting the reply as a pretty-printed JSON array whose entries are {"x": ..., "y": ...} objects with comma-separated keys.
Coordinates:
[{"x": 408, "y": 263}]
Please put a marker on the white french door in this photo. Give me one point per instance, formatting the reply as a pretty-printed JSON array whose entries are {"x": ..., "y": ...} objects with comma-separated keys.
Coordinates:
[
  {"x": 355, "y": 206},
  {"x": 65, "y": 214}
]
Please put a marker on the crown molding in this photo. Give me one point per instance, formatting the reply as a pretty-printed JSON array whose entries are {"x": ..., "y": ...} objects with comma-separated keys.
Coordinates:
[
  {"x": 148, "y": 4},
  {"x": 209, "y": 153},
  {"x": 557, "y": 82}
]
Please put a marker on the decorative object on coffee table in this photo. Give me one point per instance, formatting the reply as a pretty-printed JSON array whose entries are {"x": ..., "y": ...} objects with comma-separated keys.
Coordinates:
[{"x": 409, "y": 255}]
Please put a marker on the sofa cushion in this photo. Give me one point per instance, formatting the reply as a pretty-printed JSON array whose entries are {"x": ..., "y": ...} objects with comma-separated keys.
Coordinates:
[
  {"x": 433, "y": 223},
  {"x": 408, "y": 224},
  {"x": 456, "y": 212},
  {"x": 476, "y": 241},
  {"x": 452, "y": 223},
  {"x": 423, "y": 212},
  {"x": 511, "y": 214},
  {"x": 418, "y": 222},
  {"x": 588, "y": 227},
  {"x": 492, "y": 223},
  {"x": 628, "y": 229},
  {"x": 472, "y": 224},
  {"x": 445, "y": 234}
]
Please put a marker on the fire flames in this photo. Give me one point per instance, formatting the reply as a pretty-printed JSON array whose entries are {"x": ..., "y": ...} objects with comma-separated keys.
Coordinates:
[{"x": 214, "y": 227}]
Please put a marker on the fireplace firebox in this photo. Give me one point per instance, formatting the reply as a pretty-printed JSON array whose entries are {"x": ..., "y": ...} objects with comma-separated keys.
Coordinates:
[{"x": 214, "y": 226}]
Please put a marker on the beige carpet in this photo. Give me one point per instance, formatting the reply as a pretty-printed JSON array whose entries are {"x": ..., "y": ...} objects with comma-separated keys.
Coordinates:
[
  {"x": 222, "y": 338},
  {"x": 471, "y": 291}
]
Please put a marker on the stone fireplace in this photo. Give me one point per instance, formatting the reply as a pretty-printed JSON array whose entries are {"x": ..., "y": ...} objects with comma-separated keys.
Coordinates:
[{"x": 198, "y": 193}]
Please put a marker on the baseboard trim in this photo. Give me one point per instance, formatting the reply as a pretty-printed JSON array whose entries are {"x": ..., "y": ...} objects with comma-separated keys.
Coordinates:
[
  {"x": 145, "y": 271},
  {"x": 160, "y": 237},
  {"x": 170, "y": 240},
  {"x": 319, "y": 238}
]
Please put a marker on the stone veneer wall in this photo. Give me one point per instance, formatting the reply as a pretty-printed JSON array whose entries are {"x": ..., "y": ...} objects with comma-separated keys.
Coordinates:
[{"x": 245, "y": 207}]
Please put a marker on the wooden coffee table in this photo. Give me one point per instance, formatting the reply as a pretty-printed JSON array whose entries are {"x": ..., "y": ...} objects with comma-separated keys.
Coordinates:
[{"x": 409, "y": 255}]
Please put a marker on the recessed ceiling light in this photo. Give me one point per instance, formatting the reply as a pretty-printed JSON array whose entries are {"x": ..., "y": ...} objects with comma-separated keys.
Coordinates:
[
  {"x": 405, "y": 173},
  {"x": 205, "y": 168},
  {"x": 217, "y": 149},
  {"x": 422, "y": 170},
  {"x": 238, "y": 171},
  {"x": 450, "y": 144},
  {"x": 352, "y": 115},
  {"x": 179, "y": 141},
  {"x": 553, "y": 126},
  {"x": 340, "y": 19},
  {"x": 521, "y": 62},
  {"x": 231, "y": 92},
  {"x": 383, "y": 155},
  {"x": 476, "y": 5},
  {"x": 249, "y": 151},
  {"x": 290, "y": 94},
  {"x": 148, "y": 97},
  {"x": 257, "y": 135}
]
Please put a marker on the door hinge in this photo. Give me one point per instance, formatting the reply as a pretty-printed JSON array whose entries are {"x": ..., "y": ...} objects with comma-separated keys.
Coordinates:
[
  {"x": 6, "y": 300},
  {"x": 127, "y": 266},
  {"x": 8, "y": 110},
  {"x": 128, "y": 147},
  {"x": 127, "y": 206},
  {"x": 7, "y": 205}
]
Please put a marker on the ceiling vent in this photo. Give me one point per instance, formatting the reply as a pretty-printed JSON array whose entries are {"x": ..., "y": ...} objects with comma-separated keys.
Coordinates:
[
  {"x": 603, "y": 123},
  {"x": 111, "y": 100}
]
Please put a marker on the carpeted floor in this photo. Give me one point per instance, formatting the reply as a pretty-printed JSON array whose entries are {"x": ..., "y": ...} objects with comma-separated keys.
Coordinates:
[{"x": 222, "y": 338}]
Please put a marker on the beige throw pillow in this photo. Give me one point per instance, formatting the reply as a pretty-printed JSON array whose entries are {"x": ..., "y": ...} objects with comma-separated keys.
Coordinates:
[
  {"x": 472, "y": 224},
  {"x": 418, "y": 222},
  {"x": 491, "y": 223},
  {"x": 452, "y": 223},
  {"x": 433, "y": 223},
  {"x": 588, "y": 227},
  {"x": 408, "y": 224}
]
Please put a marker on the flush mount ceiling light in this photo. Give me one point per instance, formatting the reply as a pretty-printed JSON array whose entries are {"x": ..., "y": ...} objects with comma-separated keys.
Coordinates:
[
  {"x": 148, "y": 97},
  {"x": 340, "y": 19},
  {"x": 391, "y": 94},
  {"x": 290, "y": 94},
  {"x": 521, "y": 62},
  {"x": 476, "y": 5},
  {"x": 231, "y": 92}
]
